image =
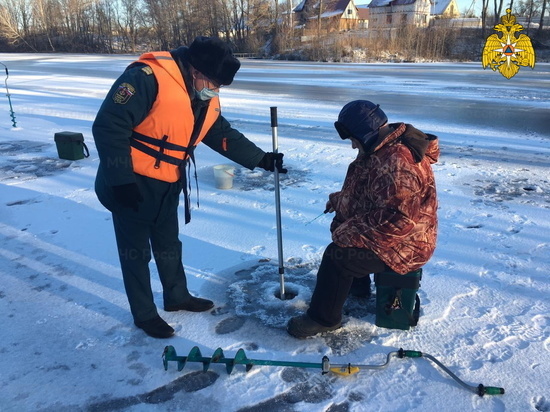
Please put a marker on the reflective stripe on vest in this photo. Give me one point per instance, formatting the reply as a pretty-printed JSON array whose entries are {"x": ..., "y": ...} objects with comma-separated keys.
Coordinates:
[{"x": 160, "y": 142}]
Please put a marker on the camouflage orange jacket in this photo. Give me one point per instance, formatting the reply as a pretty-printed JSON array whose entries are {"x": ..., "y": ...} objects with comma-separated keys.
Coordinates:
[{"x": 388, "y": 201}]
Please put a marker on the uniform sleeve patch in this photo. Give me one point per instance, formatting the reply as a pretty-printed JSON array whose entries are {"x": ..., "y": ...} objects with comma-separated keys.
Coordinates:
[
  {"x": 147, "y": 70},
  {"x": 123, "y": 93}
]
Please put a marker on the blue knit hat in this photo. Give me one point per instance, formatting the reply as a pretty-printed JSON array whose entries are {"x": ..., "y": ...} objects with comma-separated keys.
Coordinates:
[{"x": 361, "y": 120}]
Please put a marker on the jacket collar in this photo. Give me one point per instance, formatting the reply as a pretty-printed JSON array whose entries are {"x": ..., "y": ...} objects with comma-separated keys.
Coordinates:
[{"x": 419, "y": 143}]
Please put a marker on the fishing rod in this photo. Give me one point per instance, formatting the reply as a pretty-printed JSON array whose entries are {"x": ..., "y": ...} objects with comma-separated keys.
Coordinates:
[
  {"x": 195, "y": 355},
  {"x": 317, "y": 217}
]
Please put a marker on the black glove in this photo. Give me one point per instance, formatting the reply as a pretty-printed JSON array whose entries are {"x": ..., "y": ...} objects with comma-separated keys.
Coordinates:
[
  {"x": 128, "y": 195},
  {"x": 272, "y": 160}
]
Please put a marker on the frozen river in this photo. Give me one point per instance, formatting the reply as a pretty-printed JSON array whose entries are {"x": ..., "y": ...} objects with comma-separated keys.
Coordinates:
[
  {"x": 442, "y": 92},
  {"x": 454, "y": 94}
]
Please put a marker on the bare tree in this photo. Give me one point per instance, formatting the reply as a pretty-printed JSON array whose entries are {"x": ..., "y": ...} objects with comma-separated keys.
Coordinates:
[
  {"x": 129, "y": 20},
  {"x": 286, "y": 25},
  {"x": 260, "y": 25},
  {"x": 238, "y": 13},
  {"x": 102, "y": 27},
  {"x": 484, "y": 7},
  {"x": 497, "y": 7},
  {"x": 15, "y": 22},
  {"x": 530, "y": 14},
  {"x": 541, "y": 22},
  {"x": 319, "y": 15},
  {"x": 157, "y": 12}
]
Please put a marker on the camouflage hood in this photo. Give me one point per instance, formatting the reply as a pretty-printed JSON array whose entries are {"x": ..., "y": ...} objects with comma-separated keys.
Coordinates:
[{"x": 419, "y": 143}]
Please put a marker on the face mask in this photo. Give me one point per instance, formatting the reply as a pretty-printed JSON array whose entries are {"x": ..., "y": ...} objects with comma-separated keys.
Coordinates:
[{"x": 206, "y": 94}]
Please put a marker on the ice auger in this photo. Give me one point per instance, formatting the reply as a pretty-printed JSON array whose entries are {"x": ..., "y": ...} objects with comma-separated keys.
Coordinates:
[
  {"x": 325, "y": 366},
  {"x": 12, "y": 114}
]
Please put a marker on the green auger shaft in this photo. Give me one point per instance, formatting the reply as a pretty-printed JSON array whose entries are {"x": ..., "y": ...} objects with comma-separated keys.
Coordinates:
[
  {"x": 12, "y": 113},
  {"x": 219, "y": 357},
  {"x": 325, "y": 366}
]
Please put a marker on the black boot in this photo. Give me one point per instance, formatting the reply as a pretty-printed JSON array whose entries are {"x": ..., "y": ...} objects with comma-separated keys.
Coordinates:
[
  {"x": 303, "y": 327},
  {"x": 191, "y": 304},
  {"x": 156, "y": 327}
]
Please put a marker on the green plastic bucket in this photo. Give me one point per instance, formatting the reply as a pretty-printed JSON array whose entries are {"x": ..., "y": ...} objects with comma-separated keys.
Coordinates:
[{"x": 397, "y": 303}]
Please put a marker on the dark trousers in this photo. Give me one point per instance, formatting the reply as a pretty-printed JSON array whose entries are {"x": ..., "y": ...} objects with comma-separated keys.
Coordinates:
[
  {"x": 339, "y": 267},
  {"x": 152, "y": 231}
]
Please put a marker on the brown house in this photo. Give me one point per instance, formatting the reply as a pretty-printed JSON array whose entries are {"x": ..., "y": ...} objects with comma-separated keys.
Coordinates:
[{"x": 326, "y": 15}]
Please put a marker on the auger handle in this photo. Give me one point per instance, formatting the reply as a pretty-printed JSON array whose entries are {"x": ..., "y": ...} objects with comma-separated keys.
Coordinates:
[
  {"x": 489, "y": 390},
  {"x": 479, "y": 390},
  {"x": 409, "y": 354},
  {"x": 273, "y": 116}
]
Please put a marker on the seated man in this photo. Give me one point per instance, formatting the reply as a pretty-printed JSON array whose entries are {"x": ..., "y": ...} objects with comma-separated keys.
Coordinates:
[{"x": 386, "y": 212}]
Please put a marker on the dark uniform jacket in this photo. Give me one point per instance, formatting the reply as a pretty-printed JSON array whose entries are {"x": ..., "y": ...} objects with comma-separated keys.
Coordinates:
[{"x": 112, "y": 130}]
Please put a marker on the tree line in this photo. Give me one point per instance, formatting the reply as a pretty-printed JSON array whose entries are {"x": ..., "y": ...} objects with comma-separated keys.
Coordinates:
[
  {"x": 535, "y": 12},
  {"x": 109, "y": 26},
  {"x": 261, "y": 27}
]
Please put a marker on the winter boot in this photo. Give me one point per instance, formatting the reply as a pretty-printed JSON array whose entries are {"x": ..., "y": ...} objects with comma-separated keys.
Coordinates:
[
  {"x": 156, "y": 327},
  {"x": 303, "y": 327},
  {"x": 191, "y": 304}
]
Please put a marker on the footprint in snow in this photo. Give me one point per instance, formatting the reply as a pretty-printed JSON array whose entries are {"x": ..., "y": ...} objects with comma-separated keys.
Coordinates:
[
  {"x": 191, "y": 382},
  {"x": 540, "y": 403},
  {"x": 229, "y": 325},
  {"x": 219, "y": 310},
  {"x": 23, "y": 202}
]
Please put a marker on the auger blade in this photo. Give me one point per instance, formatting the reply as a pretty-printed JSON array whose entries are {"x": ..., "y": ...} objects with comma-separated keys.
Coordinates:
[
  {"x": 196, "y": 356},
  {"x": 218, "y": 356},
  {"x": 171, "y": 355},
  {"x": 241, "y": 359}
]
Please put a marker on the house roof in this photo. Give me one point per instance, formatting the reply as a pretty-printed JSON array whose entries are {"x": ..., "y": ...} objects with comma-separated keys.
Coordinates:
[
  {"x": 300, "y": 6},
  {"x": 338, "y": 5},
  {"x": 384, "y": 3},
  {"x": 363, "y": 12},
  {"x": 440, "y": 6},
  {"x": 330, "y": 7}
]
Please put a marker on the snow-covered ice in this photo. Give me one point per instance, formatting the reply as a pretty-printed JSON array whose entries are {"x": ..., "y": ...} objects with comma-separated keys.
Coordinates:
[{"x": 67, "y": 341}]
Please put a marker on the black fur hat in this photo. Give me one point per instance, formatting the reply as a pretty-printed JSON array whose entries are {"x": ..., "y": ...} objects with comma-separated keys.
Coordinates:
[{"x": 213, "y": 58}]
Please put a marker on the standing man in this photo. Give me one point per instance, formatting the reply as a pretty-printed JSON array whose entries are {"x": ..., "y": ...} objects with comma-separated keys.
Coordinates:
[
  {"x": 146, "y": 131},
  {"x": 386, "y": 212}
]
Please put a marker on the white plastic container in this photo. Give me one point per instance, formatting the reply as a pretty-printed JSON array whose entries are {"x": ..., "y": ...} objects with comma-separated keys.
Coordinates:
[{"x": 223, "y": 175}]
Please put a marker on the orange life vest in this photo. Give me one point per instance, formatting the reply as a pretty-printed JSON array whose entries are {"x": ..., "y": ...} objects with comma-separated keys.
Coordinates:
[{"x": 160, "y": 143}]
